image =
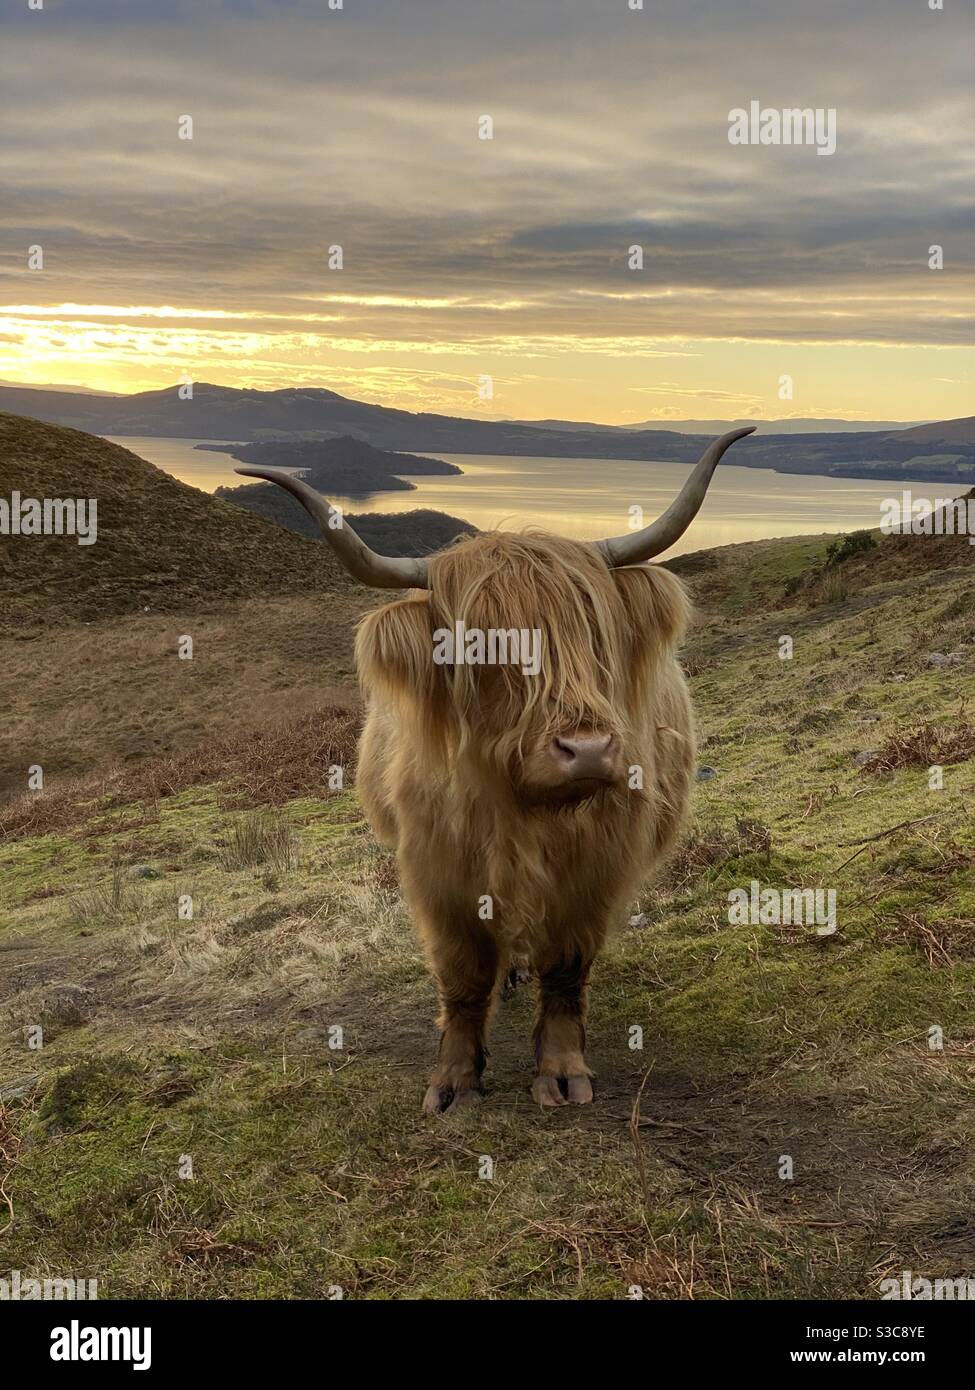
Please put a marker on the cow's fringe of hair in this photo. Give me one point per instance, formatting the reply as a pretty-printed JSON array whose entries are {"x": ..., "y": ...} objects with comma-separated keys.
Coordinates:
[
  {"x": 590, "y": 660},
  {"x": 608, "y": 641}
]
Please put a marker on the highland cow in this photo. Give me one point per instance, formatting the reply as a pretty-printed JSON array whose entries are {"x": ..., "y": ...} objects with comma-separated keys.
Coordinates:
[{"x": 525, "y": 806}]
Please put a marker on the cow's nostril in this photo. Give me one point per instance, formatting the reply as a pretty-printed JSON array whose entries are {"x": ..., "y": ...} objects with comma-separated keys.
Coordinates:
[
  {"x": 585, "y": 755},
  {"x": 591, "y": 744}
]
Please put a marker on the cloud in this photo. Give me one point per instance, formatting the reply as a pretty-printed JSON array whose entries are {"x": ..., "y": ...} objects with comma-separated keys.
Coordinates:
[{"x": 315, "y": 127}]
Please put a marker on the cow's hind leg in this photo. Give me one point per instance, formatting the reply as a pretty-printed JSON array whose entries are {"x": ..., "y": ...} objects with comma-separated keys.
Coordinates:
[
  {"x": 466, "y": 966},
  {"x": 560, "y": 1034},
  {"x": 519, "y": 972}
]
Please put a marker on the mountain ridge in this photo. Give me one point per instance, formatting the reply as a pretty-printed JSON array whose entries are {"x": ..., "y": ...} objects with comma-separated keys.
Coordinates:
[
  {"x": 248, "y": 415},
  {"x": 805, "y": 424}
]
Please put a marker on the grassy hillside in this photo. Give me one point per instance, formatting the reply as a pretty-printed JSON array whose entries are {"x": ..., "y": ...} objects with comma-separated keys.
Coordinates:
[
  {"x": 943, "y": 432},
  {"x": 312, "y": 1165},
  {"x": 161, "y": 545},
  {"x": 812, "y": 571},
  {"x": 113, "y": 692}
]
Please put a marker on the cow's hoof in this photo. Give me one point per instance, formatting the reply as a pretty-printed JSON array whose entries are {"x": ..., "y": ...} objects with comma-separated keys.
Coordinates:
[
  {"x": 550, "y": 1091},
  {"x": 444, "y": 1100}
]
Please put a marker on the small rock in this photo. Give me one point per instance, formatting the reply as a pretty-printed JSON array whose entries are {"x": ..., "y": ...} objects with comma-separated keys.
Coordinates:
[
  {"x": 19, "y": 1087},
  {"x": 705, "y": 774},
  {"x": 935, "y": 659},
  {"x": 143, "y": 871},
  {"x": 865, "y": 756},
  {"x": 639, "y": 920}
]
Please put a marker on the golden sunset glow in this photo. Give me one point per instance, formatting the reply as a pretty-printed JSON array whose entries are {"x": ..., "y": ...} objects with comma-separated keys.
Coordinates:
[{"x": 772, "y": 283}]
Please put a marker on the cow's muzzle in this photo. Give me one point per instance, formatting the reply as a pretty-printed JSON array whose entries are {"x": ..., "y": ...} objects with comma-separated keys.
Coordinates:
[
  {"x": 586, "y": 757},
  {"x": 580, "y": 764}
]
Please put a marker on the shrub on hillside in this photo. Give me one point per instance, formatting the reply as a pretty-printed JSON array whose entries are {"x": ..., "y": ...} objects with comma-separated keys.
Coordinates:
[
  {"x": 267, "y": 767},
  {"x": 925, "y": 744}
]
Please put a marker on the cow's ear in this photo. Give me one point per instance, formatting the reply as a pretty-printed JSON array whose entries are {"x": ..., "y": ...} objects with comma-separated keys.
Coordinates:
[
  {"x": 657, "y": 602},
  {"x": 394, "y": 649}
]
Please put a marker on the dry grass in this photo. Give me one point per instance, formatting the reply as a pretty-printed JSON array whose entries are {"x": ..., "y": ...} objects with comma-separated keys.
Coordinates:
[
  {"x": 283, "y": 957},
  {"x": 710, "y": 846},
  {"x": 115, "y": 693},
  {"x": 259, "y": 945},
  {"x": 270, "y": 767},
  {"x": 261, "y": 837},
  {"x": 833, "y": 587},
  {"x": 925, "y": 744},
  {"x": 10, "y": 1145},
  {"x": 102, "y": 902},
  {"x": 941, "y": 943}
]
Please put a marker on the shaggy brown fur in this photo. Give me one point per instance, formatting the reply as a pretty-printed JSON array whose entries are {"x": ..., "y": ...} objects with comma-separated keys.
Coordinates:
[{"x": 452, "y": 773}]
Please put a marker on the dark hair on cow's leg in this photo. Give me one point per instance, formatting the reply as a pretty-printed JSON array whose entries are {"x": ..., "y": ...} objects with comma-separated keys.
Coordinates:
[
  {"x": 559, "y": 1034},
  {"x": 466, "y": 965}
]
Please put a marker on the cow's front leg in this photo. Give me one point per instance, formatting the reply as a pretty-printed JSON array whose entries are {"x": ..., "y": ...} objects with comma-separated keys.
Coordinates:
[
  {"x": 466, "y": 963},
  {"x": 560, "y": 1034}
]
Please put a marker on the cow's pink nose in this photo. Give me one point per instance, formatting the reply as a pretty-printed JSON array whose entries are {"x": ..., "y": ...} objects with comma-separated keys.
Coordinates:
[{"x": 586, "y": 756}]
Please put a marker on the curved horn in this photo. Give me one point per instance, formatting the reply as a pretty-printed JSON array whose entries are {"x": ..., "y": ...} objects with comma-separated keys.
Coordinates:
[
  {"x": 637, "y": 546},
  {"x": 382, "y": 571}
]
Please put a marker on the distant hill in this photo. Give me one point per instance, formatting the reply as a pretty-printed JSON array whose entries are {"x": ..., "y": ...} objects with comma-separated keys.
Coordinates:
[
  {"x": 160, "y": 544},
  {"x": 808, "y": 424},
  {"x": 951, "y": 432},
  {"x": 350, "y": 468},
  {"x": 60, "y": 386},
  {"x": 346, "y": 466},
  {"x": 417, "y": 532},
  {"x": 796, "y": 425},
  {"x": 220, "y": 412}
]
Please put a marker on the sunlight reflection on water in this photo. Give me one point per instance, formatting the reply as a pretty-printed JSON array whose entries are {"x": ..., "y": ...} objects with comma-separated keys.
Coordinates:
[{"x": 589, "y": 498}]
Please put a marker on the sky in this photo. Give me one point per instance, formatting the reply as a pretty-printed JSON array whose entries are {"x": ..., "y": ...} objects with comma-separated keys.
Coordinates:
[{"x": 493, "y": 277}]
